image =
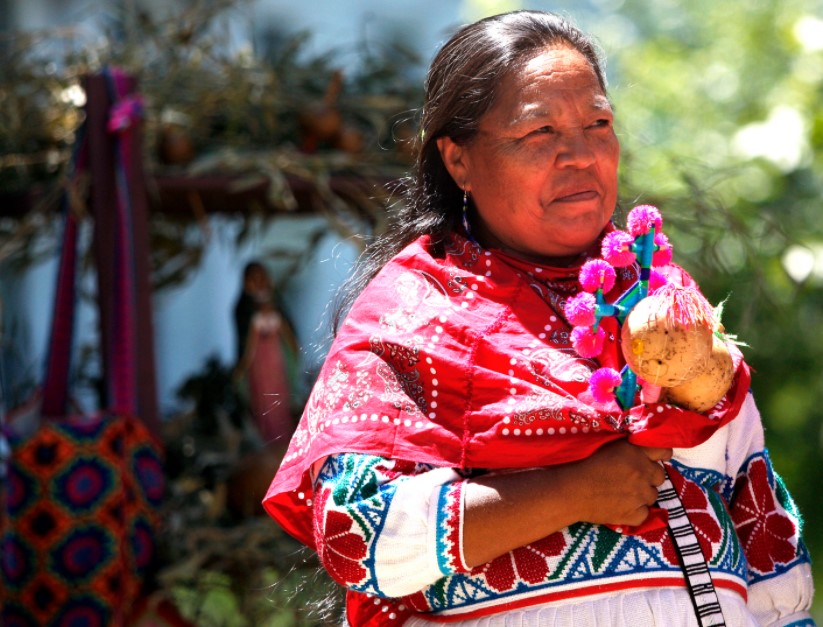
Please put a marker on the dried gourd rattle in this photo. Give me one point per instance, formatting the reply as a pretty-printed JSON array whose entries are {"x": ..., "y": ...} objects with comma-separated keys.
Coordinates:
[{"x": 672, "y": 343}]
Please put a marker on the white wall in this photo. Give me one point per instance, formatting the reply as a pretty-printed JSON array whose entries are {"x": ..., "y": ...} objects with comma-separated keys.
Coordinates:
[{"x": 193, "y": 321}]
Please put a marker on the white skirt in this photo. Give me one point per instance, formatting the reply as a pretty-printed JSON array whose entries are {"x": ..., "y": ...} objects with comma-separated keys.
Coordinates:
[{"x": 665, "y": 607}]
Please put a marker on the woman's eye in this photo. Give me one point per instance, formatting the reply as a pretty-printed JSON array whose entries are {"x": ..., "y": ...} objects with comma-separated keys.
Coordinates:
[
  {"x": 604, "y": 122},
  {"x": 543, "y": 130}
]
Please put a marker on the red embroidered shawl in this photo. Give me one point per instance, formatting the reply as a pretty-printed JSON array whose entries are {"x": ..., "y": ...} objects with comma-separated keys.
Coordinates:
[{"x": 466, "y": 361}]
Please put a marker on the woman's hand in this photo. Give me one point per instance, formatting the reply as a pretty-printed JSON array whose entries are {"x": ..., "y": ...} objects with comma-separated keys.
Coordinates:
[
  {"x": 615, "y": 486},
  {"x": 618, "y": 483}
]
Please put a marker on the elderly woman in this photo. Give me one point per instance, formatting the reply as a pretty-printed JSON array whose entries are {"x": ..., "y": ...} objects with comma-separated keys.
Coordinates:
[{"x": 449, "y": 466}]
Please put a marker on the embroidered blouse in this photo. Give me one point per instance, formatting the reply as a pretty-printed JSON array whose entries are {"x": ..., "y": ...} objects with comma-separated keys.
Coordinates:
[
  {"x": 450, "y": 364},
  {"x": 411, "y": 555}
]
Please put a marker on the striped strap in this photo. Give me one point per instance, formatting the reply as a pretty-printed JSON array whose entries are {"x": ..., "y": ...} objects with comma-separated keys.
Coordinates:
[
  {"x": 696, "y": 570},
  {"x": 58, "y": 357}
]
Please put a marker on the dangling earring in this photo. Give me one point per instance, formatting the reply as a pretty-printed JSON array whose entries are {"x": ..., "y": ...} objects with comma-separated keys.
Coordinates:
[{"x": 466, "y": 226}]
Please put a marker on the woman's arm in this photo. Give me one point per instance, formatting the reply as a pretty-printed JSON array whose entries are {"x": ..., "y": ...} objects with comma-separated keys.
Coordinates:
[
  {"x": 418, "y": 537},
  {"x": 616, "y": 485}
]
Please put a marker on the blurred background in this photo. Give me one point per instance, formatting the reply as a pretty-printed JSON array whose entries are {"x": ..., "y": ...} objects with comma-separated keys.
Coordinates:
[{"x": 271, "y": 129}]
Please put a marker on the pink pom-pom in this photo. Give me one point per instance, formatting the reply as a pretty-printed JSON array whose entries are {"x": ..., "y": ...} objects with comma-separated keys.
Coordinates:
[
  {"x": 642, "y": 218},
  {"x": 587, "y": 342},
  {"x": 663, "y": 255},
  {"x": 597, "y": 274},
  {"x": 617, "y": 249},
  {"x": 580, "y": 309},
  {"x": 603, "y": 383},
  {"x": 656, "y": 280}
]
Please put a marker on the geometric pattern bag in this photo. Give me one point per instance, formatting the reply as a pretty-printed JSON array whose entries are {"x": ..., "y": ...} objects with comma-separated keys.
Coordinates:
[
  {"x": 81, "y": 515},
  {"x": 82, "y": 493}
]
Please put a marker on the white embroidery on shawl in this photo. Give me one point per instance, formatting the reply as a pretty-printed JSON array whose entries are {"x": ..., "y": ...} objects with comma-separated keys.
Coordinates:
[
  {"x": 419, "y": 301},
  {"x": 551, "y": 407},
  {"x": 562, "y": 364}
]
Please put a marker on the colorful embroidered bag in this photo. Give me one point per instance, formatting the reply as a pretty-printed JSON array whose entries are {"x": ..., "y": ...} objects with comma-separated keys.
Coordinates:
[{"x": 79, "y": 516}]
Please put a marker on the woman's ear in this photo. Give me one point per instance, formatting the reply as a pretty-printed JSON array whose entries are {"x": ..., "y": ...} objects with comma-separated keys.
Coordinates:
[{"x": 455, "y": 159}]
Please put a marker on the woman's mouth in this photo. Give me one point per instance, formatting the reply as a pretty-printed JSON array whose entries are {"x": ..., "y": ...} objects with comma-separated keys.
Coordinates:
[{"x": 581, "y": 196}]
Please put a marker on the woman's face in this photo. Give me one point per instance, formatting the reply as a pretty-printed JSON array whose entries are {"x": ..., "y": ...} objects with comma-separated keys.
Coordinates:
[{"x": 542, "y": 169}]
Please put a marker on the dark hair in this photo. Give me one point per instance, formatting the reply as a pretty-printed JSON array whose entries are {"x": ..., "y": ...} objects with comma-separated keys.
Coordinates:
[
  {"x": 253, "y": 266},
  {"x": 460, "y": 88}
]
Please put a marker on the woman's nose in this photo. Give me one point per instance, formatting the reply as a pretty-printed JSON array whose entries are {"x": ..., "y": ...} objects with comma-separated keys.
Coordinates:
[{"x": 575, "y": 151}]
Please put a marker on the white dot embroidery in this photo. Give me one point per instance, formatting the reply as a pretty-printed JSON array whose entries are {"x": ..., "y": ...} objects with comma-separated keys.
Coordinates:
[
  {"x": 517, "y": 432},
  {"x": 438, "y": 329},
  {"x": 528, "y": 431},
  {"x": 434, "y": 404},
  {"x": 506, "y": 420},
  {"x": 435, "y": 393},
  {"x": 553, "y": 319},
  {"x": 540, "y": 432},
  {"x": 505, "y": 432},
  {"x": 385, "y": 419},
  {"x": 432, "y": 416}
]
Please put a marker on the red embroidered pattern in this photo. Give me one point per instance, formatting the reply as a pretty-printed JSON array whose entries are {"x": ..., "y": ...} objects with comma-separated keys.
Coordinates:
[
  {"x": 768, "y": 535},
  {"x": 450, "y": 557},
  {"x": 340, "y": 549},
  {"x": 528, "y": 564},
  {"x": 701, "y": 514}
]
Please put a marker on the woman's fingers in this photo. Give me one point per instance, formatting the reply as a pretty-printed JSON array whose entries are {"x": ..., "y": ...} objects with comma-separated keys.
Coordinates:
[{"x": 657, "y": 454}]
